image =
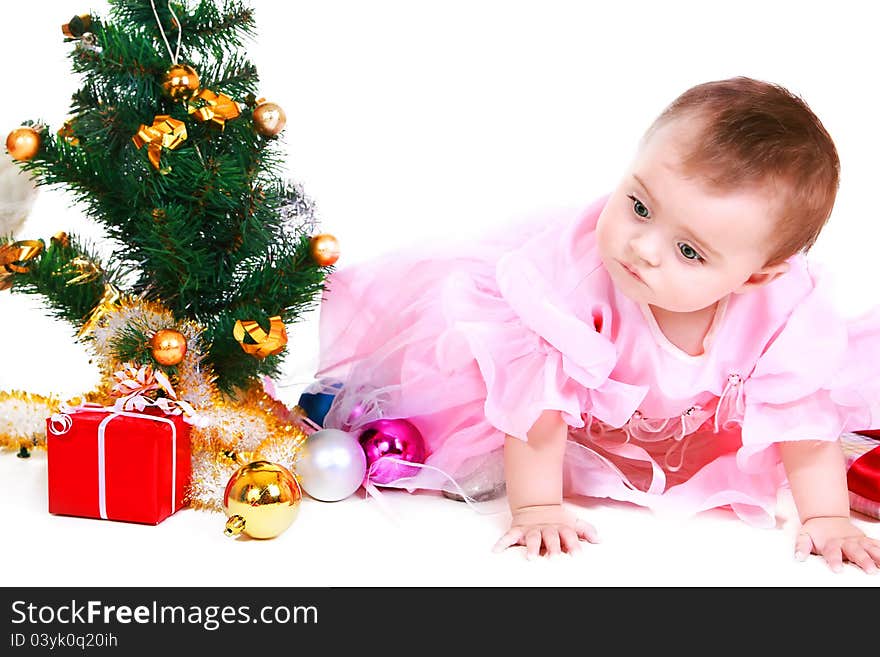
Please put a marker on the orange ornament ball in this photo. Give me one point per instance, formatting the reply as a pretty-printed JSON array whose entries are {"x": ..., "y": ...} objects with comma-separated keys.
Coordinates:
[
  {"x": 325, "y": 249},
  {"x": 23, "y": 143},
  {"x": 168, "y": 347},
  {"x": 269, "y": 119},
  {"x": 181, "y": 82}
]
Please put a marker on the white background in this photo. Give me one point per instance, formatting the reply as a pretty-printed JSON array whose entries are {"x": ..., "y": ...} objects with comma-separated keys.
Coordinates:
[{"x": 408, "y": 121}]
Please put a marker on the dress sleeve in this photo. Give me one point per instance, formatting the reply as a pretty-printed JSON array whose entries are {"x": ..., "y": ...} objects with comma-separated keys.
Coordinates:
[{"x": 813, "y": 381}]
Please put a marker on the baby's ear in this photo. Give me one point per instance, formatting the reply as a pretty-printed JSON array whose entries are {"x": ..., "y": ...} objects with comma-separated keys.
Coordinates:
[{"x": 763, "y": 276}]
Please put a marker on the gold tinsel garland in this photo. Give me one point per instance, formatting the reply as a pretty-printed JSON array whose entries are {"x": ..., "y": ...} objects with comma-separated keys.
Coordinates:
[{"x": 23, "y": 419}]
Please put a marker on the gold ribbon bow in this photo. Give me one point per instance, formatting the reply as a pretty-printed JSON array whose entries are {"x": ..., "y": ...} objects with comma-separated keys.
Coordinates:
[
  {"x": 13, "y": 259},
  {"x": 210, "y": 106},
  {"x": 106, "y": 304},
  {"x": 164, "y": 133},
  {"x": 266, "y": 344}
]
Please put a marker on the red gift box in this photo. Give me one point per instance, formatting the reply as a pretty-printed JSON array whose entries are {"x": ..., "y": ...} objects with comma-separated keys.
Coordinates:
[
  {"x": 862, "y": 455},
  {"x": 116, "y": 465}
]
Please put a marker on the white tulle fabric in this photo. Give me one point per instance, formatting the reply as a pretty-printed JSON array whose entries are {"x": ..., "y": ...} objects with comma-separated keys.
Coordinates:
[{"x": 473, "y": 341}]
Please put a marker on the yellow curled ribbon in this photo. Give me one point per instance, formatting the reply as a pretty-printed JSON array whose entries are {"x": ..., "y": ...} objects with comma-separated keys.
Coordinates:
[
  {"x": 210, "y": 106},
  {"x": 106, "y": 304},
  {"x": 164, "y": 133},
  {"x": 14, "y": 258},
  {"x": 266, "y": 344},
  {"x": 86, "y": 271}
]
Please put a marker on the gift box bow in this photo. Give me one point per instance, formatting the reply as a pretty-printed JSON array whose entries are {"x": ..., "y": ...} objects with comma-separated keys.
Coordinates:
[{"x": 135, "y": 383}]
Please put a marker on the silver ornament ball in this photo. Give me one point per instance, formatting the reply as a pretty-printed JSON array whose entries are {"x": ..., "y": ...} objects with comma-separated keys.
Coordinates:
[{"x": 332, "y": 465}]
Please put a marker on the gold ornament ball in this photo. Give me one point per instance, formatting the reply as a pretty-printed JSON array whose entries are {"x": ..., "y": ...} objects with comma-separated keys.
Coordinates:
[
  {"x": 23, "y": 143},
  {"x": 168, "y": 346},
  {"x": 261, "y": 500},
  {"x": 325, "y": 249},
  {"x": 181, "y": 82},
  {"x": 269, "y": 119}
]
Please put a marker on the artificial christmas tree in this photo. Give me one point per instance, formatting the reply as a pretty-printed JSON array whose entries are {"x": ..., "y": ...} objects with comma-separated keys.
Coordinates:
[{"x": 169, "y": 148}]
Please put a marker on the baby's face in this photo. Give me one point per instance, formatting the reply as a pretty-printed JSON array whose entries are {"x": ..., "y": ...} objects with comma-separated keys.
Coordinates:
[{"x": 674, "y": 243}]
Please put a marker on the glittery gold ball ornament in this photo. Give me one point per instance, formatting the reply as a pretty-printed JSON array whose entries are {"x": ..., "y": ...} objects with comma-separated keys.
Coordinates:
[
  {"x": 23, "y": 143},
  {"x": 269, "y": 119},
  {"x": 325, "y": 249},
  {"x": 168, "y": 346},
  {"x": 261, "y": 500},
  {"x": 181, "y": 82}
]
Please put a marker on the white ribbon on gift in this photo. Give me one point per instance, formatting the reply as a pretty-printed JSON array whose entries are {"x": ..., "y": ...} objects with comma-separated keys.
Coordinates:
[{"x": 61, "y": 423}]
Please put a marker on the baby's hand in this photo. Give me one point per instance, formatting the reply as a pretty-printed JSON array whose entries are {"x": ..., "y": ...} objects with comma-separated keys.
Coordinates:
[
  {"x": 836, "y": 538},
  {"x": 550, "y": 526}
]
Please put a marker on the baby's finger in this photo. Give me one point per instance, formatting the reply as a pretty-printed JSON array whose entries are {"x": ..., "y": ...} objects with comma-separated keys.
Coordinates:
[
  {"x": 586, "y": 531},
  {"x": 570, "y": 541},
  {"x": 833, "y": 556},
  {"x": 873, "y": 548},
  {"x": 551, "y": 541},
  {"x": 859, "y": 556},
  {"x": 533, "y": 543},
  {"x": 511, "y": 537},
  {"x": 803, "y": 546}
]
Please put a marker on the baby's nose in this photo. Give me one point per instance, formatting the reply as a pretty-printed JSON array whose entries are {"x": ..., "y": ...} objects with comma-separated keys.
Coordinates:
[{"x": 645, "y": 249}]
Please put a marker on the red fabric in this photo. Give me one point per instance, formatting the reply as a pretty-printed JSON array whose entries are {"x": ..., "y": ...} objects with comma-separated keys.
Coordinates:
[
  {"x": 138, "y": 468},
  {"x": 872, "y": 434},
  {"x": 863, "y": 476}
]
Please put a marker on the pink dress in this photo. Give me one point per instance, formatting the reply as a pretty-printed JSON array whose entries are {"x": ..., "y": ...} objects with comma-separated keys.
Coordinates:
[{"x": 474, "y": 344}]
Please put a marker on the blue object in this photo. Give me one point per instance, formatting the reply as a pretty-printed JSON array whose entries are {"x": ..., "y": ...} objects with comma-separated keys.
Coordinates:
[{"x": 317, "y": 404}]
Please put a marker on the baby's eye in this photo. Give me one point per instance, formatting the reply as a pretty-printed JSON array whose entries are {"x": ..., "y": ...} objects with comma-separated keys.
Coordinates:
[
  {"x": 639, "y": 208},
  {"x": 689, "y": 252}
]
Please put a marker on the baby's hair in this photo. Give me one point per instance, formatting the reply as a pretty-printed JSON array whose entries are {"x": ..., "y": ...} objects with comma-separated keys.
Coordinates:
[{"x": 754, "y": 133}]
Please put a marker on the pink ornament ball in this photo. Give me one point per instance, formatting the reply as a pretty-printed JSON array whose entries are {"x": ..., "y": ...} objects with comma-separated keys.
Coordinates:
[{"x": 391, "y": 438}]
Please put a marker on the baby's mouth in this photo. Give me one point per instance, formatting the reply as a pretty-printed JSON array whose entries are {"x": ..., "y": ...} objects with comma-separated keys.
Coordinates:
[{"x": 632, "y": 271}]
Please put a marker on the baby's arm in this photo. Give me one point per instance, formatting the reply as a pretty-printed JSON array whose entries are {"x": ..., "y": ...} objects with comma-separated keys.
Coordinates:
[
  {"x": 533, "y": 471},
  {"x": 817, "y": 474}
]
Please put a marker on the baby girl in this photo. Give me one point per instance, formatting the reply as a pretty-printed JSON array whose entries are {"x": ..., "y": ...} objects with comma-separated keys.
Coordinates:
[{"x": 669, "y": 346}]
